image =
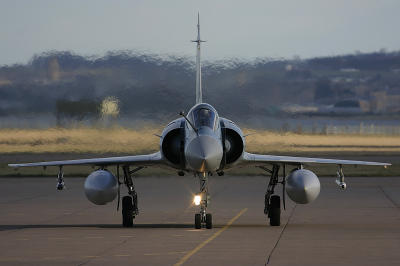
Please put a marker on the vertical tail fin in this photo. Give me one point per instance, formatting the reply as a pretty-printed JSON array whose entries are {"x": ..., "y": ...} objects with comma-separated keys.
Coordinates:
[{"x": 199, "y": 95}]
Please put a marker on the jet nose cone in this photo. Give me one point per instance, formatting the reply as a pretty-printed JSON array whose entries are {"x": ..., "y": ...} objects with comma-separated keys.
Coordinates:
[{"x": 204, "y": 153}]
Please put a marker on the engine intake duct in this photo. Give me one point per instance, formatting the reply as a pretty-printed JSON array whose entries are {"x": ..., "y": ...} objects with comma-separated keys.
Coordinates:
[
  {"x": 173, "y": 145},
  {"x": 233, "y": 145}
]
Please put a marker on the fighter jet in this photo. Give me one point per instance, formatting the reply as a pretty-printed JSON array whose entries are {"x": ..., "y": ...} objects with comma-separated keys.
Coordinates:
[{"x": 202, "y": 143}]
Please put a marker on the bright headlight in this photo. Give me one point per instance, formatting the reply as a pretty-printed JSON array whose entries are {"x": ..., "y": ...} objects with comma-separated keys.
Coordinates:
[{"x": 197, "y": 200}]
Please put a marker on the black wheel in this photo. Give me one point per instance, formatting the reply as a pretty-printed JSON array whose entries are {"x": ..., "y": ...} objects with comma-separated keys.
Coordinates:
[
  {"x": 197, "y": 221},
  {"x": 135, "y": 204},
  {"x": 208, "y": 221},
  {"x": 127, "y": 211},
  {"x": 275, "y": 211}
]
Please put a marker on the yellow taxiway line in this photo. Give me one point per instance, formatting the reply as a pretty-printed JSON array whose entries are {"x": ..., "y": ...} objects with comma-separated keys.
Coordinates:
[{"x": 205, "y": 242}]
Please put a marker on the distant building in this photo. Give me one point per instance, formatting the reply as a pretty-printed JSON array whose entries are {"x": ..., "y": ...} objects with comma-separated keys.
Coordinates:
[
  {"x": 4, "y": 82},
  {"x": 343, "y": 107},
  {"x": 347, "y": 107},
  {"x": 299, "y": 109},
  {"x": 349, "y": 70},
  {"x": 382, "y": 102}
]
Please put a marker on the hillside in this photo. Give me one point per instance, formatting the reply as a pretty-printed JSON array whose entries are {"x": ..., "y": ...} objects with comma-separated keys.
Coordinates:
[{"x": 150, "y": 86}]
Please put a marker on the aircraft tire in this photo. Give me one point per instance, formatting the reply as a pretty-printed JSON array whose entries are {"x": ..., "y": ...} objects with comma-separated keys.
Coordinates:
[
  {"x": 275, "y": 211},
  {"x": 208, "y": 221},
  {"x": 127, "y": 211},
  {"x": 197, "y": 221}
]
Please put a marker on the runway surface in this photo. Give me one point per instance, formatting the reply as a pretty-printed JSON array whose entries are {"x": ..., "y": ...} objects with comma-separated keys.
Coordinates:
[{"x": 42, "y": 226}]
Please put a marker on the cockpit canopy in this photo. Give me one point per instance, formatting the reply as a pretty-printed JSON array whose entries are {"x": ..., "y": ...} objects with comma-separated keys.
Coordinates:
[{"x": 203, "y": 115}]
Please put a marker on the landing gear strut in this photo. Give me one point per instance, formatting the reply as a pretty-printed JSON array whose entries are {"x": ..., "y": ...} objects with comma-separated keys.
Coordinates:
[
  {"x": 129, "y": 203},
  {"x": 340, "y": 180},
  {"x": 272, "y": 206},
  {"x": 60, "y": 179},
  {"x": 203, "y": 217}
]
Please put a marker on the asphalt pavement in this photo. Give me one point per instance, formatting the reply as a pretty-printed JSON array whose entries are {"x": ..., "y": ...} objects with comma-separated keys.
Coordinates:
[{"x": 42, "y": 226}]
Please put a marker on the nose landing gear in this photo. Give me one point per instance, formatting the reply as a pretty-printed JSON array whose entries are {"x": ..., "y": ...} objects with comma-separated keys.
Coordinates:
[{"x": 203, "y": 218}]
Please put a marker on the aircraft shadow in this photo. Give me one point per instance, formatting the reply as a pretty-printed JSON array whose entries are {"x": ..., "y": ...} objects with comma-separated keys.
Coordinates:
[{"x": 9, "y": 227}]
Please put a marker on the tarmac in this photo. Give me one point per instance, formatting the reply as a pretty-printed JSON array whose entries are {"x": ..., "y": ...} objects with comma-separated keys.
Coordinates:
[{"x": 42, "y": 226}]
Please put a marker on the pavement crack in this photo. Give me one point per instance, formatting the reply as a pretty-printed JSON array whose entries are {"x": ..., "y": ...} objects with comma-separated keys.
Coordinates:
[
  {"x": 388, "y": 197},
  {"x": 280, "y": 235}
]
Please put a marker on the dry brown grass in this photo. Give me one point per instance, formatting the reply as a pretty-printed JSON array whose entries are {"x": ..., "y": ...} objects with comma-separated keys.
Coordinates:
[
  {"x": 122, "y": 140},
  {"x": 80, "y": 140},
  {"x": 263, "y": 141}
]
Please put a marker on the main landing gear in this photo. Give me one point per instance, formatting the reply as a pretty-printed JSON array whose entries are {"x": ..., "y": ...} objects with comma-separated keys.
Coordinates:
[
  {"x": 202, "y": 218},
  {"x": 272, "y": 206},
  {"x": 129, "y": 203}
]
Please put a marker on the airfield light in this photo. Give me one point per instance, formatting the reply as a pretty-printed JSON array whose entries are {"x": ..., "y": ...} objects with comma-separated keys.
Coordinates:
[{"x": 197, "y": 200}]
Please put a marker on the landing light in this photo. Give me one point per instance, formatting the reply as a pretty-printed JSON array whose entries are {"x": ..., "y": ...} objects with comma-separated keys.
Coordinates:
[{"x": 197, "y": 200}]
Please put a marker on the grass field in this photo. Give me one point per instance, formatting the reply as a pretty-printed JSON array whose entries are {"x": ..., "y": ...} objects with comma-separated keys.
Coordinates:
[
  {"x": 80, "y": 140},
  {"x": 57, "y": 143},
  {"x": 122, "y": 140}
]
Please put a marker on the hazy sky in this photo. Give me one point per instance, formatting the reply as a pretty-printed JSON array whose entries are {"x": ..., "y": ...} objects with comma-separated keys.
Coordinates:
[{"x": 242, "y": 29}]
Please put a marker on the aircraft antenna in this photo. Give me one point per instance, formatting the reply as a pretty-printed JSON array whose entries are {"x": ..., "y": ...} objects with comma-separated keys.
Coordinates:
[{"x": 199, "y": 94}]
